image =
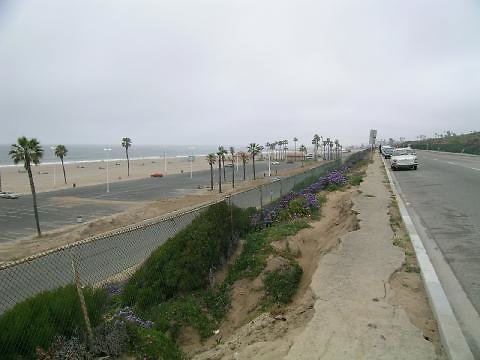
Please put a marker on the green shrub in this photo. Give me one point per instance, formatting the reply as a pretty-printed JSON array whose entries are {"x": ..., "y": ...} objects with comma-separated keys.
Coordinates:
[
  {"x": 152, "y": 344},
  {"x": 355, "y": 180},
  {"x": 252, "y": 260},
  {"x": 333, "y": 187},
  {"x": 257, "y": 247},
  {"x": 296, "y": 208},
  {"x": 170, "y": 316},
  {"x": 283, "y": 230},
  {"x": 183, "y": 263},
  {"x": 282, "y": 284},
  {"x": 35, "y": 322}
]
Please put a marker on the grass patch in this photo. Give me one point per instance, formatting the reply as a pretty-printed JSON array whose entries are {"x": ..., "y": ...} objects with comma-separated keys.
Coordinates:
[
  {"x": 412, "y": 269},
  {"x": 281, "y": 284},
  {"x": 355, "y": 180},
  {"x": 333, "y": 187},
  {"x": 35, "y": 322},
  {"x": 152, "y": 344},
  {"x": 283, "y": 230},
  {"x": 170, "y": 316}
]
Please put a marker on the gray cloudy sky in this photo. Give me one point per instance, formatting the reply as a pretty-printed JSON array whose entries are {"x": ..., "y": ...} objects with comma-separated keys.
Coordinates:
[{"x": 216, "y": 71}]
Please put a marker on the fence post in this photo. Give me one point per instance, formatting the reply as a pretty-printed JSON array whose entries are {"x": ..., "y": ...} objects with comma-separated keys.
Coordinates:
[
  {"x": 231, "y": 218},
  {"x": 83, "y": 305},
  {"x": 261, "y": 198}
]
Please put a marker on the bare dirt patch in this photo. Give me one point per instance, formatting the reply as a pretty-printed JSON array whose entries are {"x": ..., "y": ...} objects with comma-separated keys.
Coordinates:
[{"x": 246, "y": 324}]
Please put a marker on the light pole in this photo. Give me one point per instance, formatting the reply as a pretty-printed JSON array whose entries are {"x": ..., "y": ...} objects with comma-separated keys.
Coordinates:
[
  {"x": 54, "y": 174},
  {"x": 269, "y": 151},
  {"x": 108, "y": 159},
  {"x": 165, "y": 162},
  {"x": 191, "y": 158}
]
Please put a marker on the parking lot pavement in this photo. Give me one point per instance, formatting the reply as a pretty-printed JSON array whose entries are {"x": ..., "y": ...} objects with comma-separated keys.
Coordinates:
[{"x": 17, "y": 215}]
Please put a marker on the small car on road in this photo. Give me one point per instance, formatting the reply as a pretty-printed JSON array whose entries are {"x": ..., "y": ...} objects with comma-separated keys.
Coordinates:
[
  {"x": 404, "y": 158},
  {"x": 8, "y": 195},
  {"x": 155, "y": 175},
  {"x": 387, "y": 151}
]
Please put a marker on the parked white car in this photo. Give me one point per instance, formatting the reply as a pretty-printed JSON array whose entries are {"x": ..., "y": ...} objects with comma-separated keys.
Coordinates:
[
  {"x": 9, "y": 195},
  {"x": 404, "y": 158}
]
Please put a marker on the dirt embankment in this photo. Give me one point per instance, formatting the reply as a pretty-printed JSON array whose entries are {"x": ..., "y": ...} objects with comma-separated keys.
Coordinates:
[
  {"x": 246, "y": 325},
  {"x": 250, "y": 333}
]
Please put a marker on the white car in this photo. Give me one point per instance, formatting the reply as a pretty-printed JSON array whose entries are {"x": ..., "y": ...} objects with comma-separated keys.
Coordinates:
[
  {"x": 8, "y": 195},
  {"x": 404, "y": 158}
]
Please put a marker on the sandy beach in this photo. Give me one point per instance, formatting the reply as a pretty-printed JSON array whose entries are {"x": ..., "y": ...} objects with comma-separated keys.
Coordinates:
[{"x": 49, "y": 177}]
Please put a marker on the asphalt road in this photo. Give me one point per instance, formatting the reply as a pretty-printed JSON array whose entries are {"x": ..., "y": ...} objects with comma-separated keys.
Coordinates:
[
  {"x": 56, "y": 208},
  {"x": 443, "y": 197}
]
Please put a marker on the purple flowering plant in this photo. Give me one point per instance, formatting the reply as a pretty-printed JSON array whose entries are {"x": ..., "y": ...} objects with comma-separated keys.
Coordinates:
[{"x": 305, "y": 202}]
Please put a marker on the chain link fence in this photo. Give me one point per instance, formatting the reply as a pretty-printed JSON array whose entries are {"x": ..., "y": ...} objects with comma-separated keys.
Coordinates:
[{"x": 113, "y": 256}]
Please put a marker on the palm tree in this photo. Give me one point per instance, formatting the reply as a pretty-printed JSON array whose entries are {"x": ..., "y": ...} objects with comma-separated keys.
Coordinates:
[
  {"x": 285, "y": 148},
  {"x": 29, "y": 151},
  {"x": 211, "y": 159},
  {"x": 61, "y": 151},
  {"x": 295, "y": 146},
  {"x": 315, "y": 141},
  {"x": 232, "y": 153},
  {"x": 222, "y": 150},
  {"x": 244, "y": 157},
  {"x": 254, "y": 149},
  {"x": 220, "y": 154},
  {"x": 126, "y": 143},
  {"x": 303, "y": 150}
]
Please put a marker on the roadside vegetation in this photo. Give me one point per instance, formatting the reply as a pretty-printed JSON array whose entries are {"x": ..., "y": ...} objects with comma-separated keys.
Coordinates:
[
  {"x": 175, "y": 287},
  {"x": 464, "y": 143}
]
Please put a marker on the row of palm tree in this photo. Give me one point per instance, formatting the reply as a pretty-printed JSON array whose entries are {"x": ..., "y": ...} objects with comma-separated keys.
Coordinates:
[
  {"x": 29, "y": 151},
  {"x": 253, "y": 149}
]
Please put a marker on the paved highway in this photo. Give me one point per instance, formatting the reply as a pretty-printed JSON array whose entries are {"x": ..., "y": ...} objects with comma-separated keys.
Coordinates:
[
  {"x": 443, "y": 198},
  {"x": 58, "y": 208}
]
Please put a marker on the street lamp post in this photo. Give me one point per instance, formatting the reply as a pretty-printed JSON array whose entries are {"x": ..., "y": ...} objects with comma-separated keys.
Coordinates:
[
  {"x": 191, "y": 158},
  {"x": 54, "y": 173},
  {"x": 164, "y": 163},
  {"x": 108, "y": 160}
]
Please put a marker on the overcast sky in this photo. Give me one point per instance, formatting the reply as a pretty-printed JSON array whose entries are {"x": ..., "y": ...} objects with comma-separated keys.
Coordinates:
[{"x": 233, "y": 72}]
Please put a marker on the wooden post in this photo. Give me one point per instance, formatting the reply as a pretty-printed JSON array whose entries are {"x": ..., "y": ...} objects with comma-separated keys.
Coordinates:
[{"x": 82, "y": 304}]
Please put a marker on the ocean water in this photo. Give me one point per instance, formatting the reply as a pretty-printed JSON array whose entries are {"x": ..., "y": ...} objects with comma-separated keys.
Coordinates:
[{"x": 81, "y": 153}]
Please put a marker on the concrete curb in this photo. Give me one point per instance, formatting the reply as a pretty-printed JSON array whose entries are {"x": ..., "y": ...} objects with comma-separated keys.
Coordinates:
[{"x": 452, "y": 337}]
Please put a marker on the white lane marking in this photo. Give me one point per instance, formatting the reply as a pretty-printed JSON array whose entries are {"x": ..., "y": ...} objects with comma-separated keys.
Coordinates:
[{"x": 452, "y": 163}]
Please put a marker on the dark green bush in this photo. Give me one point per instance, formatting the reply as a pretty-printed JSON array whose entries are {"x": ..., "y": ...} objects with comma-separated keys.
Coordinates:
[
  {"x": 35, "y": 322},
  {"x": 170, "y": 316},
  {"x": 282, "y": 284},
  {"x": 152, "y": 344},
  {"x": 355, "y": 180},
  {"x": 183, "y": 263}
]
